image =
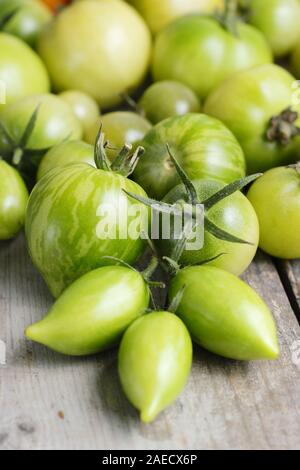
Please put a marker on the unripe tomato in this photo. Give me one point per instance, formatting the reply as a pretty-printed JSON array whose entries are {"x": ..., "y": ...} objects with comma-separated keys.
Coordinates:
[{"x": 83, "y": 106}]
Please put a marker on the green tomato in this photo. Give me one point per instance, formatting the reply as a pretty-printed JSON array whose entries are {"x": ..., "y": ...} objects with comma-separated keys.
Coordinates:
[
  {"x": 154, "y": 362},
  {"x": 22, "y": 72},
  {"x": 159, "y": 13},
  {"x": 276, "y": 199},
  {"x": 247, "y": 102},
  {"x": 83, "y": 106},
  {"x": 78, "y": 214},
  {"x": 13, "y": 201},
  {"x": 100, "y": 47},
  {"x": 166, "y": 99},
  {"x": 295, "y": 62},
  {"x": 72, "y": 151},
  {"x": 24, "y": 18},
  {"x": 224, "y": 315},
  {"x": 199, "y": 52},
  {"x": 203, "y": 146},
  {"x": 279, "y": 21},
  {"x": 119, "y": 127},
  {"x": 92, "y": 314},
  {"x": 234, "y": 214}
]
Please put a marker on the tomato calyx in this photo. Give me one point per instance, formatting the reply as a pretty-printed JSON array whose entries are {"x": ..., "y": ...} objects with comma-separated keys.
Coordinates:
[
  {"x": 282, "y": 128},
  {"x": 7, "y": 17},
  {"x": 229, "y": 18}
]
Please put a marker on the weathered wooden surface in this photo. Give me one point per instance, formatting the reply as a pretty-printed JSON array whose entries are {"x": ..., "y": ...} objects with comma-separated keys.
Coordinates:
[{"x": 48, "y": 401}]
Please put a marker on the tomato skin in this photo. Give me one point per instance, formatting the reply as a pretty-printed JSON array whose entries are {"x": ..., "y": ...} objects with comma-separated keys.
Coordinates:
[
  {"x": 295, "y": 61},
  {"x": 155, "y": 359},
  {"x": 83, "y": 106},
  {"x": 246, "y": 103},
  {"x": 204, "y": 147},
  {"x": 200, "y": 53},
  {"x": 72, "y": 151},
  {"x": 21, "y": 70},
  {"x": 80, "y": 54},
  {"x": 224, "y": 315},
  {"x": 276, "y": 199},
  {"x": 13, "y": 201},
  {"x": 166, "y": 99},
  {"x": 64, "y": 235},
  {"x": 279, "y": 21},
  {"x": 54, "y": 5},
  {"x": 84, "y": 320},
  {"x": 233, "y": 214},
  {"x": 158, "y": 13}
]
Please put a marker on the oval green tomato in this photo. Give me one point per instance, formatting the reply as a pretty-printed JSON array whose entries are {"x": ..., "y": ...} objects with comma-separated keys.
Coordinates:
[
  {"x": 72, "y": 151},
  {"x": 203, "y": 146},
  {"x": 279, "y": 21},
  {"x": 154, "y": 362},
  {"x": 276, "y": 199},
  {"x": 83, "y": 106},
  {"x": 22, "y": 72},
  {"x": 224, "y": 315},
  {"x": 199, "y": 52},
  {"x": 13, "y": 201},
  {"x": 92, "y": 314},
  {"x": 166, "y": 99},
  {"x": 99, "y": 47},
  {"x": 78, "y": 214}
]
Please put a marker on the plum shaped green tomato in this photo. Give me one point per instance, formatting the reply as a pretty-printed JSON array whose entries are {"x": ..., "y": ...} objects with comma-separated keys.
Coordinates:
[
  {"x": 257, "y": 105},
  {"x": 276, "y": 199},
  {"x": 279, "y": 21},
  {"x": 199, "y": 52},
  {"x": 99, "y": 47},
  {"x": 166, "y": 99},
  {"x": 155, "y": 359},
  {"x": 71, "y": 151},
  {"x": 93, "y": 313},
  {"x": 224, "y": 315},
  {"x": 13, "y": 201},
  {"x": 22, "y": 72},
  {"x": 204, "y": 147},
  {"x": 83, "y": 106}
]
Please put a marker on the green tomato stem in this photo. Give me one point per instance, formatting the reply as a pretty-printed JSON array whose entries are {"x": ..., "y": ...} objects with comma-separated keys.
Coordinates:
[
  {"x": 229, "y": 18},
  {"x": 282, "y": 128}
]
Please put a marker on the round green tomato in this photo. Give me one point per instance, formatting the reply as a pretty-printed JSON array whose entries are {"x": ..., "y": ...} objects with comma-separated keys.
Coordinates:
[
  {"x": 234, "y": 214},
  {"x": 279, "y": 21},
  {"x": 276, "y": 199},
  {"x": 78, "y": 214},
  {"x": 199, "y": 52},
  {"x": 84, "y": 107},
  {"x": 85, "y": 319},
  {"x": 166, "y": 99},
  {"x": 13, "y": 201},
  {"x": 246, "y": 103},
  {"x": 154, "y": 362},
  {"x": 159, "y": 13},
  {"x": 203, "y": 146},
  {"x": 99, "y": 47},
  {"x": 224, "y": 315},
  {"x": 24, "y": 18},
  {"x": 71, "y": 151},
  {"x": 119, "y": 127},
  {"x": 22, "y": 72}
]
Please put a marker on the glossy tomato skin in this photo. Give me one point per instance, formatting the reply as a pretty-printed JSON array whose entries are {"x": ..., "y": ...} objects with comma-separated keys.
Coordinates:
[
  {"x": 72, "y": 223},
  {"x": 158, "y": 13},
  {"x": 85, "y": 320},
  {"x": 82, "y": 52},
  {"x": 166, "y": 99},
  {"x": 233, "y": 214},
  {"x": 155, "y": 359},
  {"x": 224, "y": 315},
  {"x": 200, "y": 53},
  {"x": 21, "y": 70},
  {"x": 279, "y": 21},
  {"x": 246, "y": 103},
  {"x": 276, "y": 199},
  {"x": 203, "y": 146},
  {"x": 13, "y": 201},
  {"x": 83, "y": 106},
  {"x": 72, "y": 151}
]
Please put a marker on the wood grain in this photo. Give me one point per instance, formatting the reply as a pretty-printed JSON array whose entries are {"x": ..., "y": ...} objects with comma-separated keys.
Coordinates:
[{"x": 48, "y": 401}]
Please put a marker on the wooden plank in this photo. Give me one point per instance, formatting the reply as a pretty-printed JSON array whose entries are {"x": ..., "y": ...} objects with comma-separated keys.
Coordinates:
[{"x": 48, "y": 401}]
